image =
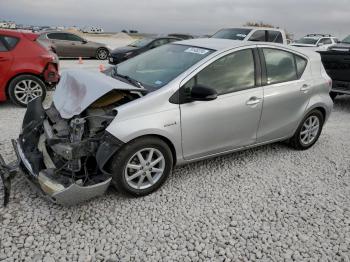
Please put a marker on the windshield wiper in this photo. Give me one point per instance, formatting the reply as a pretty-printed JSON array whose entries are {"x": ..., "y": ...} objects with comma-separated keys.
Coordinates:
[{"x": 132, "y": 81}]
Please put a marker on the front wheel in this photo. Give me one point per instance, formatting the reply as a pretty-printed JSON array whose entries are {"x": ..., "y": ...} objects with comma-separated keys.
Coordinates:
[
  {"x": 24, "y": 88},
  {"x": 308, "y": 131},
  {"x": 142, "y": 166},
  {"x": 102, "y": 54}
]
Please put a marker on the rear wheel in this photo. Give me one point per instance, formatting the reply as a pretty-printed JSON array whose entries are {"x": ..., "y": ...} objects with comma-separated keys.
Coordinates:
[
  {"x": 102, "y": 54},
  {"x": 309, "y": 131},
  {"x": 24, "y": 88},
  {"x": 142, "y": 166}
]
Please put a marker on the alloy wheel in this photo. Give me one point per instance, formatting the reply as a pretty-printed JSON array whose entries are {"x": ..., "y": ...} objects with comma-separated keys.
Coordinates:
[
  {"x": 309, "y": 130},
  {"x": 144, "y": 168},
  {"x": 27, "y": 90},
  {"x": 102, "y": 54}
]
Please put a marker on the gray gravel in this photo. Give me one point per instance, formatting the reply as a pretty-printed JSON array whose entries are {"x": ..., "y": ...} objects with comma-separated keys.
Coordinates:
[{"x": 269, "y": 204}]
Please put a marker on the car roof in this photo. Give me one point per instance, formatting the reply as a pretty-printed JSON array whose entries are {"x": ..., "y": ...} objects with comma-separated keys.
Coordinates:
[
  {"x": 254, "y": 27},
  {"x": 219, "y": 44},
  {"x": 18, "y": 33},
  {"x": 215, "y": 43}
]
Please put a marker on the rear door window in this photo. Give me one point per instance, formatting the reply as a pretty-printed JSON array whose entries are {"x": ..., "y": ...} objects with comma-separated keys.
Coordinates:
[
  {"x": 259, "y": 36},
  {"x": 325, "y": 41},
  {"x": 56, "y": 36},
  {"x": 11, "y": 41},
  {"x": 275, "y": 36},
  {"x": 71, "y": 37},
  {"x": 280, "y": 66}
]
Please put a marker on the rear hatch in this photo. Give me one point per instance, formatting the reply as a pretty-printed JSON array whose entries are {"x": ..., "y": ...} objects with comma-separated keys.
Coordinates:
[{"x": 336, "y": 61}]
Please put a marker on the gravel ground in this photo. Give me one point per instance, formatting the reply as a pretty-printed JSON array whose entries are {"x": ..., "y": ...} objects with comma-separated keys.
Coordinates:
[{"x": 271, "y": 203}]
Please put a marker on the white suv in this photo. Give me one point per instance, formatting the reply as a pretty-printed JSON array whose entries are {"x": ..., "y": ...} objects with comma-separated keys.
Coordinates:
[
  {"x": 257, "y": 34},
  {"x": 316, "y": 42}
]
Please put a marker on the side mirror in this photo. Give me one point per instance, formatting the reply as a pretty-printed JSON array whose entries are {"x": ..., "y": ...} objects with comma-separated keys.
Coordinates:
[
  {"x": 202, "y": 93},
  {"x": 84, "y": 41},
  {"x": 320, "y": 44}
]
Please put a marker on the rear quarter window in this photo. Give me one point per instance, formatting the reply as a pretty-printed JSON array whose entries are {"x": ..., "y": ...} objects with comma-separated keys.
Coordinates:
[
  {"x": 275, "y": 36},
  {"x": 2, "y": 45},
  {"x": 300, "y": 64},
  {"x": 11, "y": 41}
]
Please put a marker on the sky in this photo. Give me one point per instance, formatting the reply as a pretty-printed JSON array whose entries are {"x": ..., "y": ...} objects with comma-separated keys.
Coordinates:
[{"x": 183, "y": 16}]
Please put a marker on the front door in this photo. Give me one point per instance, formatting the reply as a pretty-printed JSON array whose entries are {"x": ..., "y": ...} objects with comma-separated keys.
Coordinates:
[{"x": 231, "y": 120}]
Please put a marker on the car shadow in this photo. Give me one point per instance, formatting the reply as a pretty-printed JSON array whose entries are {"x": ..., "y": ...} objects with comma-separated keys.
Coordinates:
[{"x": 342, "y": 103}]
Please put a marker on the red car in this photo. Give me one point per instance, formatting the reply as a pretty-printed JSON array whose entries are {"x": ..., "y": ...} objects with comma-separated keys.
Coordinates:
[{"x": 27, "y": 67}]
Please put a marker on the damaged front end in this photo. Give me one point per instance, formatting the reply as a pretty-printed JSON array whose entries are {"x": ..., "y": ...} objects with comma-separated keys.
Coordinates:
[{"x": 64, "y": 150}]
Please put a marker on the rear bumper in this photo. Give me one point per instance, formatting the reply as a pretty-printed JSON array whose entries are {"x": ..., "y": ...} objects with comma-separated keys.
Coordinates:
[{"x": 48, "y": 184}]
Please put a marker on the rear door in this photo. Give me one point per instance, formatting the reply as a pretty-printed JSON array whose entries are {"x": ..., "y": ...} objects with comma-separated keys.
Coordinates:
[
  {"x": 287, "y": 81},
  {"x": 6, "y": 59},
  {"x": 78, "y": 46},
  {"x": 59, "y": 41}
]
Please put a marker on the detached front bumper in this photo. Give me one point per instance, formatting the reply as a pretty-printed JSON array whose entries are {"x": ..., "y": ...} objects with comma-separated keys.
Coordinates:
[{"x": 48, "y": 184}]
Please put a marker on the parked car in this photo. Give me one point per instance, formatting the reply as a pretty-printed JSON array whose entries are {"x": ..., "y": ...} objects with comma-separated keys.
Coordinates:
[
  {"x": 316, "y": 41},
  {"x": 175, "y": 104},
  {"x": 257, "y": 34},
  {"x": 71, "y": 45},
  {"x": 181, "y": 36},
  {"x": 142, "y": 45},
  {"x": 336, "y": 60},
  {"x": 25, "y": 75}
]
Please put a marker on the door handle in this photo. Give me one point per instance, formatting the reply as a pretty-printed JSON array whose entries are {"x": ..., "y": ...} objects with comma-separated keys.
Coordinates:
[
  {"x": 4, "y": 59},
  {"x": 305, "y": 88},
  {"x": 253, "y": 101}
]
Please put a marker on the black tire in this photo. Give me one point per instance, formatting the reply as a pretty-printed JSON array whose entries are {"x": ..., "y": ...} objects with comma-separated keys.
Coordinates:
[
  {"x": 102, "y": 53},
  {"x": 296, "y": 141},
  {"x": 333, "y": 95},
  {"x": 121, "y": 159},
  {"x": 36, "y": 82}
]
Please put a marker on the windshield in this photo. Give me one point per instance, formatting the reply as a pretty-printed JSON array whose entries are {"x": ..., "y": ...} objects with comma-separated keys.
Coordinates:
[
  {"x": 346, "y": 40},
  {"x": 157, "y": 67},
  {"x": 233, "y": 33},
  {"x": 141, "y": 42},
  {"x": 307, "y": 41}
]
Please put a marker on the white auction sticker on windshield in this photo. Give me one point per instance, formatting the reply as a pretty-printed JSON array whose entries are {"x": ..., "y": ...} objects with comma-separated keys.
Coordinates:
[
  {"x": 241, "y": 35},
  {"x": 196, "y": 50}
]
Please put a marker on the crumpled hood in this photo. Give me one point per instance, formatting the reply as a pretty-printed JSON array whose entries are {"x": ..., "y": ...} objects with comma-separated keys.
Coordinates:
[{"x": 78, "y": 89}]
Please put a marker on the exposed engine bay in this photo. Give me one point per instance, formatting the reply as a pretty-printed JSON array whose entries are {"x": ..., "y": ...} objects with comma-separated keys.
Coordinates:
[{"x": 64, "y": 151}]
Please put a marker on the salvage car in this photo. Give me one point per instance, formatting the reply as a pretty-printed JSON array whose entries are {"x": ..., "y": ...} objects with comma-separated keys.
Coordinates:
[
  {"x": 67, "y": 44},
  {"x": 176, "y": 104},
  {"x": 140, "y": 46},
  {"x": 336, "y": 61},
  {"x": 251, "y": 33},
  {"x": 25, "y": 75},
  {"x": 316, "y": 41}
]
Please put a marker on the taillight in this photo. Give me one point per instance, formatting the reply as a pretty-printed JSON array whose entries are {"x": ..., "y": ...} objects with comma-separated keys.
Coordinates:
[{"x": 51, "y": 73}]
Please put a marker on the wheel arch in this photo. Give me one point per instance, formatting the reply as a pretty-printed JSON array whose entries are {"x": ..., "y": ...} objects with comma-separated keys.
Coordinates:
[
  {"x": 164, "y": 139},
  {"x": 17, "y": 75}
]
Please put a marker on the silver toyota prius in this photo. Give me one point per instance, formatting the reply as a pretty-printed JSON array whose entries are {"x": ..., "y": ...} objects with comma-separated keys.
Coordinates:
[{"x": 175, "y": 104}]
